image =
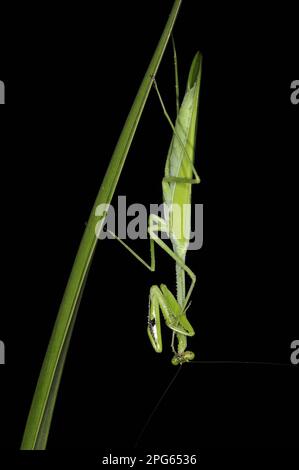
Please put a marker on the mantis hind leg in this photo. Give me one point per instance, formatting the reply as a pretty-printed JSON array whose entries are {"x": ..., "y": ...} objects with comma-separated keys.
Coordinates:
[
  {"x": 176, "y": 76},
  {"x": 175, "y": 179}
]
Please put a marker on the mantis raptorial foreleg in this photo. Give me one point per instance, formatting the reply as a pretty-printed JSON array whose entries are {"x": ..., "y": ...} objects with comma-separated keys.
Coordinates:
[{"x": 162, "y": 299}]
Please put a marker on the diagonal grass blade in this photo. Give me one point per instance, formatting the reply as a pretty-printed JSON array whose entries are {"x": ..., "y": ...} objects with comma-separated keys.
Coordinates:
[{"x": 43, "y": 403}]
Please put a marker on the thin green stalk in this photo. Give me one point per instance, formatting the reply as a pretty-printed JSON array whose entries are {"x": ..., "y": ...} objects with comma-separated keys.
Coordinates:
[{"x": 42, "y": 407}]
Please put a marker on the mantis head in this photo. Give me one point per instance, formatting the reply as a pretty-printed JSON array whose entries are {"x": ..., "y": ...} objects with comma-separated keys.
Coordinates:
[{"x": 180, "y": 358}]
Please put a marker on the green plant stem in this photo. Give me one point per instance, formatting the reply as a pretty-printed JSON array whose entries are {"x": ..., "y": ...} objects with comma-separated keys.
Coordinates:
[{"x": 43, "y": 403}]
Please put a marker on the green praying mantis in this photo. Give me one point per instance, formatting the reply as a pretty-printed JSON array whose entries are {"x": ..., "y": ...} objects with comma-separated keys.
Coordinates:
[{"x": 180, "y": 175}]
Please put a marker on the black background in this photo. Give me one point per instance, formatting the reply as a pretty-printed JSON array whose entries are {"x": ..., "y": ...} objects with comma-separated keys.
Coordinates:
[{"x": 71, "y": 77}]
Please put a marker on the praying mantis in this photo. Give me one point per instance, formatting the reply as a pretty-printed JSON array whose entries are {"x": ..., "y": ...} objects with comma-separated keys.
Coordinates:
[{"x": 180, "y": 175}]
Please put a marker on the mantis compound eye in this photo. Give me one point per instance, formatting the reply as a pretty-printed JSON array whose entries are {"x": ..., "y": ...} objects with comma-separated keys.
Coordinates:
[{"x": 186, "y": 356}]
